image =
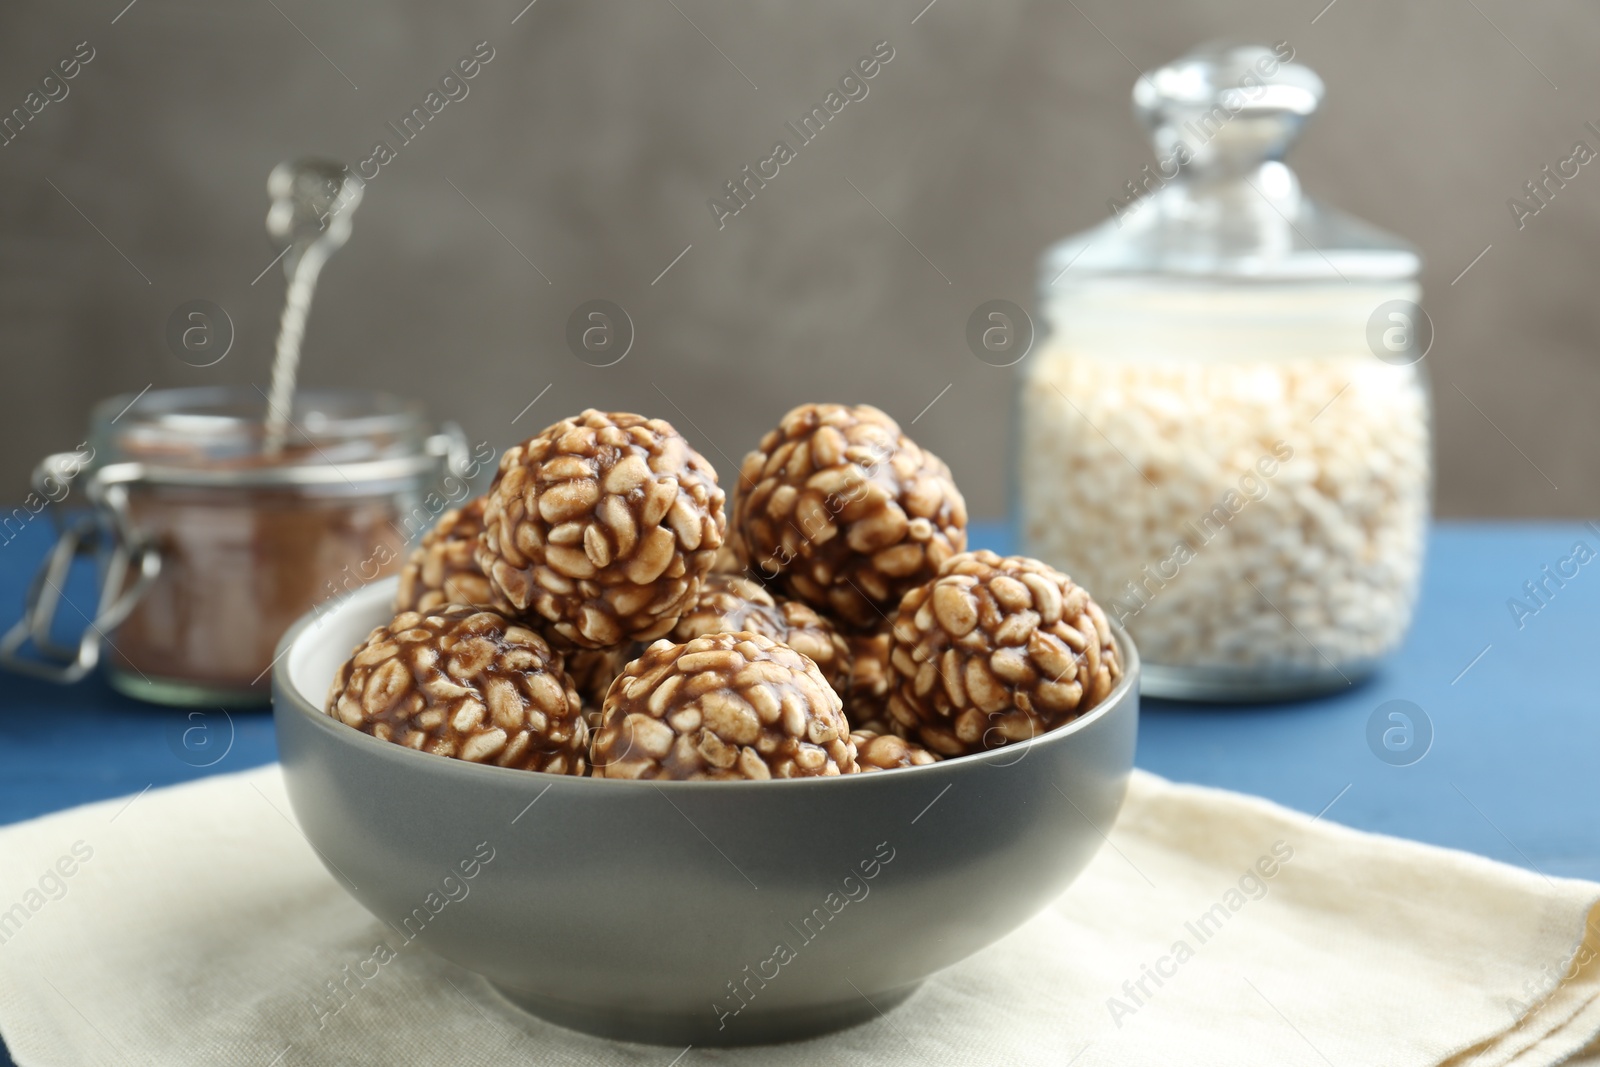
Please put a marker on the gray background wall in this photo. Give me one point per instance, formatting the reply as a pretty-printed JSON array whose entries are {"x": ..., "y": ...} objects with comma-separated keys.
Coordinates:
[{"x": 595, "y": 136}]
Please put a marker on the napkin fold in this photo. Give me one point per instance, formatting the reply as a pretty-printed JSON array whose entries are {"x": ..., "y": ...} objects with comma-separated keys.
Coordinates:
[{"x": 194, "y": 925}]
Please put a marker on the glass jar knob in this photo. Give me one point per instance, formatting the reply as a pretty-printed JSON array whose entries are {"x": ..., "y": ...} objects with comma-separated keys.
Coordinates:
[{"x": 1224, "y": 110}]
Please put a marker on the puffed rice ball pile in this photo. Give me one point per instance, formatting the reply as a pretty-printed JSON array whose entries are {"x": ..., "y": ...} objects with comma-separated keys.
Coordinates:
[{"x": 798, "y": 640}]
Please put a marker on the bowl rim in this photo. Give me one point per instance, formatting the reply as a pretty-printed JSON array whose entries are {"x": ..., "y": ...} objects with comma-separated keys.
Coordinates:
[{"x": 285, "y": 692}]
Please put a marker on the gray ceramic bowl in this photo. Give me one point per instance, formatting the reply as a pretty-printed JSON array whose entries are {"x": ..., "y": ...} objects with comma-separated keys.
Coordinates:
[{"x": 712, "y": 913}]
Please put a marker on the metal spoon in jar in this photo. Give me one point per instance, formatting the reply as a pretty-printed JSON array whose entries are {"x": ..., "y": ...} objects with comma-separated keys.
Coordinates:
[{"x": 312, "y": 204}]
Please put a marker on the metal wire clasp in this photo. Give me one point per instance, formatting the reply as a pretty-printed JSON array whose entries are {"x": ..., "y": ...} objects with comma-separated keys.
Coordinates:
[{"x": 102, "y": 531}]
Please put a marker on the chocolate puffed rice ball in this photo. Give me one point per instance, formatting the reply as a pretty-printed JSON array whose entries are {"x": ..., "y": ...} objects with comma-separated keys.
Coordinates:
[
  {"x": 592, "y": 671},
  {"x": 846, "y": 512},
  {"x": 723, "y": 706},
  {"x": 884, "y": 752},
  {"x": 867, "y": 690},
  {"x": 464, "y": 683},
  {"x": 727, "y": 603},
  {"x": 444, "y": 569},
  {"x": 604, "y": 525},
  {"x": 729, "y": 560},
  {"x": 814, "y": 636},
  {"x": 996, "y": 650}
]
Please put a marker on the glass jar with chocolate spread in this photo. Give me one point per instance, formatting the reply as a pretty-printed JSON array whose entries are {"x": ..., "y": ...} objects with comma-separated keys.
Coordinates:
[{"x": 209, "y": 544}]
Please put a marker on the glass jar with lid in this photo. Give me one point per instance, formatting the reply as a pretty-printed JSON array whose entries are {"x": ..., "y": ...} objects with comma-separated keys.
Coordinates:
[
  {"x": 1225, "y": 431},
  {"x": 209, "y": 542}
]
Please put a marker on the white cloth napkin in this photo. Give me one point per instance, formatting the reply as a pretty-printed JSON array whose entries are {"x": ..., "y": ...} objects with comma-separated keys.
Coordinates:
[{"x": 194, "y": 925}]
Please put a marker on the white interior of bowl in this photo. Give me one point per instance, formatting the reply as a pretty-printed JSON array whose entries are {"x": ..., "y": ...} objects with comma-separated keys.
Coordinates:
[{"x": 332, "y": 636}]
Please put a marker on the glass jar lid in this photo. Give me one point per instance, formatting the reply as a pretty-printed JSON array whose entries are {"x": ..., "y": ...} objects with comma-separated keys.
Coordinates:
[
  {"x": 1219, "y": 201},
  {"x": 216, "y": 435}
]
